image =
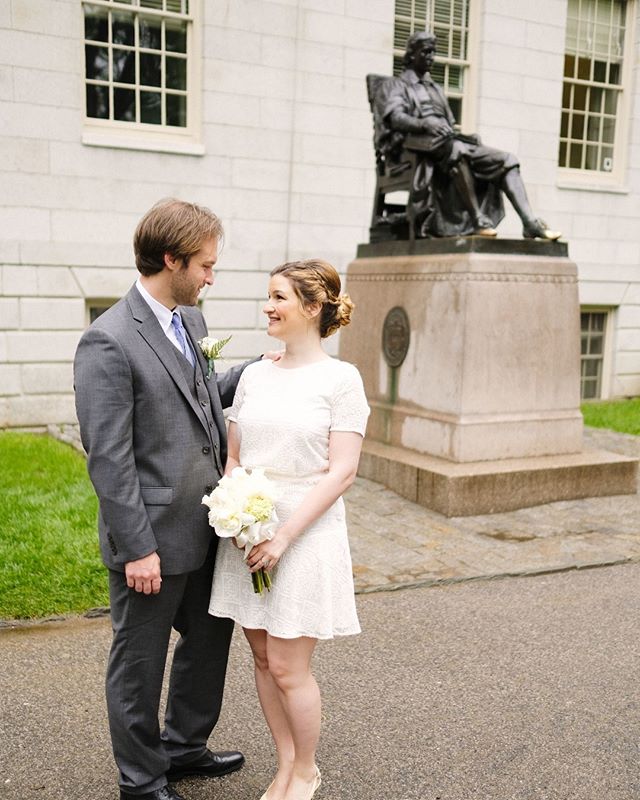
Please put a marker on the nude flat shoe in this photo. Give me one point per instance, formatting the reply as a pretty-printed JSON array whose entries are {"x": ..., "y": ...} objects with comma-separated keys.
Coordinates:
[
  {"x": 264, "y": 796},
  {"x": 316, "y": 784}
]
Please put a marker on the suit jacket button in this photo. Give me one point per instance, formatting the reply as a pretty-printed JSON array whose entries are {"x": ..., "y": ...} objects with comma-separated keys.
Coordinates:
[
  {"x": 203, "y": 403},
  {"x": 206, "y": 450},
  {"x": 208, "y": 489}
]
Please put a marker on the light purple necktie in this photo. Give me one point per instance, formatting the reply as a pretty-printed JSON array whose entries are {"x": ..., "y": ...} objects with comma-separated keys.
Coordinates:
[{"x": 176, "y": 324}]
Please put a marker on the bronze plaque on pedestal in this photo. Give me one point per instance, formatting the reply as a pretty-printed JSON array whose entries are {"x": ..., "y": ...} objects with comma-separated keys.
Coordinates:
[{"x": 396, "y": 334}]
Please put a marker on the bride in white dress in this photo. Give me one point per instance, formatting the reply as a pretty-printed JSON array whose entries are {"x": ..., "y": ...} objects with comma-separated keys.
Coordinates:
[{"x": 302, "y": 419}]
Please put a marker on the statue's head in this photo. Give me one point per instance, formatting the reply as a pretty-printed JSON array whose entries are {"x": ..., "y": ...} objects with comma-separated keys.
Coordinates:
[{"x": 415, "y": 43}]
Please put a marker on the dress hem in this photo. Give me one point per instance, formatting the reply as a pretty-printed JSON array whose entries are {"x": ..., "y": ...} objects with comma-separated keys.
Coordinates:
[{"x": 322, "y": 637}]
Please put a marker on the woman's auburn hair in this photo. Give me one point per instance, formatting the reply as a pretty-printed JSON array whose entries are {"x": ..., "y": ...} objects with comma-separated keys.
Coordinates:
[{"x": 317, "y": 282}]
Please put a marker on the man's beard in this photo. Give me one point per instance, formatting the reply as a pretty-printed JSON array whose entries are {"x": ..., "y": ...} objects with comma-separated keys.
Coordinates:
[{"x": 184, "y": 293}]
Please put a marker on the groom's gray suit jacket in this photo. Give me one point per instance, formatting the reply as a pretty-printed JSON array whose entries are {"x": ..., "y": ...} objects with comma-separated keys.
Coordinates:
[{"x": 154, "y": 433}]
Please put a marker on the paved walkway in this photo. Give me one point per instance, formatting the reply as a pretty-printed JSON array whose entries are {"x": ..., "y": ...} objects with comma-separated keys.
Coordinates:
[{"x": 396, "y": 543}]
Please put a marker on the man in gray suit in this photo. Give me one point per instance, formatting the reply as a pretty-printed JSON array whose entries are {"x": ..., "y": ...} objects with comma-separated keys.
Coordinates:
[{"x": 153, "y": 428}]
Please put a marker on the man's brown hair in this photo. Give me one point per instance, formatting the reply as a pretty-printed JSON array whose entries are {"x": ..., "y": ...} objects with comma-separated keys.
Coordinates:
[{"x": 176, "y": 227}]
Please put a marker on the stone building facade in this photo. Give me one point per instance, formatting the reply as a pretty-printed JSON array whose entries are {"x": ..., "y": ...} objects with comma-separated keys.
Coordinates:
[{"x": 258, "y": 109}]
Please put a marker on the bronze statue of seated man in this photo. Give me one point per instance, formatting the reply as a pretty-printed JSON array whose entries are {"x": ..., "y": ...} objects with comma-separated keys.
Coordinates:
[{"x": 459, "y": 182}]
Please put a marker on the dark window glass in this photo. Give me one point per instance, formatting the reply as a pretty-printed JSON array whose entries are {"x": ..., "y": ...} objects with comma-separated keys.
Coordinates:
[
  {"x": 123, "y": 30},
  {"x": 151, "y": 108},
  {"x": 176, "y": 73},
  {"x": 97, "y": 101},
  {"x": 124, "y": 105},
  {"x": 176, "y": 110},
  {"x": 175, "y": 34},
  {"x": 150, "y": 34},
  {"x": 150, "y": 69},
  {"x": 124, "y": 66},
  {"x": 96, "y": 26},
  {"x": 96, "y": 62}
]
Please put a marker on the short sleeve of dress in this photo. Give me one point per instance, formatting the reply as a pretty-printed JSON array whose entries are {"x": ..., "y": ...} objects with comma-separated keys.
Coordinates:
[
  {"x": 349, "y": 407},
  {"x": 238, "y": 398}
]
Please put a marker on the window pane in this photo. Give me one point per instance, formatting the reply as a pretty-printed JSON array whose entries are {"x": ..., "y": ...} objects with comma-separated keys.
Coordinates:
[
  {"x": 176, "y": 109},
  {"x": 600, "y": 72},
  {"x": 591, "y": 157},
  {"x": 610, "y": 102},
  {"x": 97, "y": 101},
  {"x": 577, "y": 126},
  {"x": 562, "y": 155},
  {"x": 150, "y": 74},
  {"x": 124, "y": 105},
  {"x": 437, "y": 73},
  {"x": 150, "y": 34},
  {"x": 595, "y": 345},
  {"x": 151, "y": 107},
  {"x": 591, "y": 368},
  {"x": 122, "y": 29},
  {"x": 575, "y": 156},
  {"x": 175, "y": 34},
  {"x": 595, "y": 99},
  {"x": 96, "y": 24},
  {"x": 608, "y": 130},
  {"x": 152, "y": 4},
  {"x": 96, "y": 62},
  {"x": 589, "y": 390},
  {"x": 176, "y": 73},
  {"x": 124, "y": 66}
]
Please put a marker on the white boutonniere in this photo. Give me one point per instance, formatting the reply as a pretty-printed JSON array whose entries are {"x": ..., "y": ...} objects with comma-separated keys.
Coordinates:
[{"x": 212, "y": 349}]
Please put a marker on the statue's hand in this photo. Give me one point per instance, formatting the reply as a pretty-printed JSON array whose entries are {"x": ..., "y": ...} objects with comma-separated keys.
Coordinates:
[{"x": 441, "y": 126}]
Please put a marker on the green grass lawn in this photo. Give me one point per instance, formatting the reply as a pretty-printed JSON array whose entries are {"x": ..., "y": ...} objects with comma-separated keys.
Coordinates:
[
  {"x": 49, "y": 557},
  {"x": 618, "y": 415}
]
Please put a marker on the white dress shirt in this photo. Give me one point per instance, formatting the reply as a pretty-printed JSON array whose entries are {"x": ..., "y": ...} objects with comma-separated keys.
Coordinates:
[{"x": 163, "y": 314}]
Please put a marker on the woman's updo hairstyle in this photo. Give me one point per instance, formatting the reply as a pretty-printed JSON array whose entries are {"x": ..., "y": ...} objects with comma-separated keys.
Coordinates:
[{"x": 316, "y": 281}]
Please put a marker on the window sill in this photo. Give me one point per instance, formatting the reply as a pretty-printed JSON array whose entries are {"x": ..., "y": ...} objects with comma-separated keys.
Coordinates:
[
  {"x": 577, "y": 181},
  {"x": 148, "y": 144}
]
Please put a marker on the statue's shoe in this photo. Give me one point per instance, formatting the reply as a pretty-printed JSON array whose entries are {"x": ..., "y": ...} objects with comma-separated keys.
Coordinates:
[
  {"x": 538, "y": 229},
  {"x": 484, "y": 227}
]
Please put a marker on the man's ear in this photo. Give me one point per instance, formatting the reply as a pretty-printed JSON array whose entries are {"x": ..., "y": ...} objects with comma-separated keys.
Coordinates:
[{"x": 172, "y": 263}]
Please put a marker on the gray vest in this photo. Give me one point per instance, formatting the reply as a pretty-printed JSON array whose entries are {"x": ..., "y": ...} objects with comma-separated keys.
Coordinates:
[{"x": 196, "y": 382}]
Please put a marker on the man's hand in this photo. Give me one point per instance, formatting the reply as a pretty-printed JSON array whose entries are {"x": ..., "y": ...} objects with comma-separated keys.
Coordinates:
[{"x": 143, "y": 575}]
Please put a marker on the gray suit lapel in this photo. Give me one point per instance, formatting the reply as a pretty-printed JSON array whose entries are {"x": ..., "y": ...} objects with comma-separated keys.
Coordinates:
[{"x": 150, "y": 330}]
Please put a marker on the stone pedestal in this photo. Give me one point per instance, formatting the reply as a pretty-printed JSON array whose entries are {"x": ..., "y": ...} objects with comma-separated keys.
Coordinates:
[{"x": 491, "y": 372}]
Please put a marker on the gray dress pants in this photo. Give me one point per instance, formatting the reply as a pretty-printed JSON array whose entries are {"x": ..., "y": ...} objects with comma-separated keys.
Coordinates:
[{"x": 141, "y": 630}]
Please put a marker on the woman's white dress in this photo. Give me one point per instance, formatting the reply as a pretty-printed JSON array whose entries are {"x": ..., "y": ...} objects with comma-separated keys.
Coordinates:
[{"x": 284, "y": 418}]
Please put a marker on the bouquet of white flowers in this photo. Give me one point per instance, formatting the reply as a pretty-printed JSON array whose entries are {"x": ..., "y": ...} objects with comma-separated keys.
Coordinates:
[{"x": 243, "y": 505}]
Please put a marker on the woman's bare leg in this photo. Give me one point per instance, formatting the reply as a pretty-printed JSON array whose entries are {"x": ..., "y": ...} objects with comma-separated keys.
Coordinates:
[
  {"x": 289, "y": 663},
  {"x": 270, "y": 700}
]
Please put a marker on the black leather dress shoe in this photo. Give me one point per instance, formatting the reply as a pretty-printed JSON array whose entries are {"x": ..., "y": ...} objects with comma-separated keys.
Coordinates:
[
  {"x": 165, "y": 793},
  {"x": 210, "y": 765}
]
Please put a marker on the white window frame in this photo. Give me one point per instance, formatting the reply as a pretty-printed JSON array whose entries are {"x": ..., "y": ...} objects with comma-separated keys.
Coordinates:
[
  {"x": 145, "y": 136},
  {"x": 614, "y": 181},
  {"x": 607, "y": 350},
  {"x": 470, "y": 78}
]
